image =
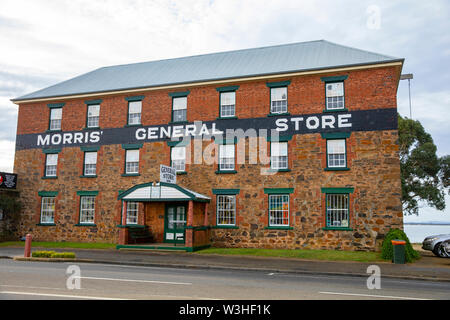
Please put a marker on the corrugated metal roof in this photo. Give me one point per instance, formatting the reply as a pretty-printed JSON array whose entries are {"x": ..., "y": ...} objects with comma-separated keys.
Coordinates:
[{"x": 286, "y": 58}]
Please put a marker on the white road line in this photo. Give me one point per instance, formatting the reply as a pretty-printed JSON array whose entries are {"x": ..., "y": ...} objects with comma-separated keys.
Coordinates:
[
  {"x": 58, "y": 295},
  {"x": 372, "y": 295},
  {"x": 143, "y": 281}
]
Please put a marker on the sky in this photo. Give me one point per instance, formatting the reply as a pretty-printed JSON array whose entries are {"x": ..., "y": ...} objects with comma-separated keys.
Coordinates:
[{"x": 43, "y": 42}]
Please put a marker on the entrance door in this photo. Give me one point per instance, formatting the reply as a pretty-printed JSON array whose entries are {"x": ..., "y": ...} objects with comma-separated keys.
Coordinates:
[{"x": 175, "y": 221}]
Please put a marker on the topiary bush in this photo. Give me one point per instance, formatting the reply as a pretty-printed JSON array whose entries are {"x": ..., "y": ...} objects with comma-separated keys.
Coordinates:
[
  {"x": 65, "y": 255},
  {"x": 53, "y": 254},
  {"x": 387, "y": 250},
  {"x": 42, "y": 254}
]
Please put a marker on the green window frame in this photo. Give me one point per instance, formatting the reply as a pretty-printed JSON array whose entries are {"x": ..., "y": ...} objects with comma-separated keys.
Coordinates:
[
  {"x": 179, "y": 115},
  {"x": 336, "y": 102},
  {"x": 93, "y": 116},
  {"x": 227, "y": 91},
  {"x": 279, "y": 210},
  {"x": 55, "y": 119},
  {"x": 336, "y": 160},
  {"x": 134, "y": 111},
  {"x": 277, "y": 161},
  {"x": 222, "y": 167},
  {"x": 48, "y": 207},
  {"x": 281, "y": 104},
  {"x": 87, "y": 208},
  {"x": 337, "y": 208},
  {"x": 180, "y": 165}
]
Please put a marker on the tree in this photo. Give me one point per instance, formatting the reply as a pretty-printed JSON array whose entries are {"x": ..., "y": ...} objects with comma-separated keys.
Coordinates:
[{"x": 424, "y": 175}]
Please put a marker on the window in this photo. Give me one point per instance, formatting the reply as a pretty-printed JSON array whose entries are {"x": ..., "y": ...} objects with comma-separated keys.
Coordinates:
[
  {"x": 87, "y": 210},
  {"x": 279, "y": 210},
  {"x": 90, "y": 163},
  {"x": 227, "y": 104},
  {"x": 132, "y": 212},
  {"x": 93, "y": 116},
  {"x": 334, "y": 95},
  {"x": 226, "y": 210},
  {"x": 178, "y": 156},
  {"x": 55, "y": 118},
  {"x": 226, "y": 157},
  {"x": 278, "y": 100},
  {"x": 134, "y": 112},
  {"x": 179, "y": 108},
  {"x": 132, "y": 161},
  {"x": 48, "y": 210},
  {"x": 337, "y": 214},
  {"x": 279, "y": 155},
  {"x": 51, "y": 162},
  {"x": 336, "y": 155}
]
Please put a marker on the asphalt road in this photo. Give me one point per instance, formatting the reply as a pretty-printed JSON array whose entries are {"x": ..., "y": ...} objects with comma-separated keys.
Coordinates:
[{"x": 41, "y": 280}]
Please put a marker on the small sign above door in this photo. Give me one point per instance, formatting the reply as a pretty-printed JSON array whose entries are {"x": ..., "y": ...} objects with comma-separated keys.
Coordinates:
[{"x": 167, "y": 174}]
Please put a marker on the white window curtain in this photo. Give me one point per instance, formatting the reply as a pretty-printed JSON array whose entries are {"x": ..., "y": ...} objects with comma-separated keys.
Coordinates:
[{"x": 179, "y": 103}]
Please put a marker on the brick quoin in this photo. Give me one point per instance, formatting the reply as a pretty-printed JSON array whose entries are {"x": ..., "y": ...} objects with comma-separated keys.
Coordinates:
[{"x": 372, "y": 157}]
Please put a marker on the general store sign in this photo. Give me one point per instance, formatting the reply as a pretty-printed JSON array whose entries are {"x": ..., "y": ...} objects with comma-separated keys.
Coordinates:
[
  {"x": 361, "y": 120},
  {"x": 167, "y": 174}
]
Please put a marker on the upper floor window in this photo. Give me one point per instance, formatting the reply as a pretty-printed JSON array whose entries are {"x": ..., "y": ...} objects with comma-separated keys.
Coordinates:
[
  {"x": 55, "y": 118},
  {"x": 334, "y": 95},
  {"x": 227, "y": 104},
  {"x": 134, "y": 112},
  {"x": 179, "y": 109},
  {"x": 178, "y": 157},
  {"x": 90, "y": 163},
  {"x": 93, "y": 116},
  {"x": 226, "y": 157},
  {"x": 278, "y": 100},
  {"x": 279, "y": 155},
  {"x": 132, "y": 161},
  {"x": 336, "y": 153},
  {"x": 51, "y": 163}
]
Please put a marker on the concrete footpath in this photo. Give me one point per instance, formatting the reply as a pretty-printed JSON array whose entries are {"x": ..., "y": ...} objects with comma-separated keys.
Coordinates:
[{"x": 427, "y": 268}]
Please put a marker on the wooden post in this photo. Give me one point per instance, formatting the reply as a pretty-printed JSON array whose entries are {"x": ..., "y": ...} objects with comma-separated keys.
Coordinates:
[
  {"x": 123, "y": 232},
  {"x": 205, "y": 222},
  {"x": 189, "y": 241}
]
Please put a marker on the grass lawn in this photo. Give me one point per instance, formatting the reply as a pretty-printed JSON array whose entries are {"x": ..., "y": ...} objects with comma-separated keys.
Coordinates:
[
  {"x": 332, "y": 255},
  {"x": 75, "y": 245}
]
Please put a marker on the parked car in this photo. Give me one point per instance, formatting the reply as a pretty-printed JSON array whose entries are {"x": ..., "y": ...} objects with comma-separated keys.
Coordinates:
[
  {"x": 445, "y": 247},
  {"x": 435, "y": 244}
]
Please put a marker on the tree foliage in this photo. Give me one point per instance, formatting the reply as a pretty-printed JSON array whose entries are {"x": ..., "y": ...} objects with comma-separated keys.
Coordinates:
[{"x": 424, "y": 175}]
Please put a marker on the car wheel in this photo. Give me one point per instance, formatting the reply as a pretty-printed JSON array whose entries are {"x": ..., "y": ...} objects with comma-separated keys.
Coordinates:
[
  {"x": 441, "y": 251},
  {"x": 436, "y": 249}
]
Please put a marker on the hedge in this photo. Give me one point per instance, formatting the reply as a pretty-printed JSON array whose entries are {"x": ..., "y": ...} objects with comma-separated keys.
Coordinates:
[
  {"x": 387, "y": 250},
  {"x": 53, "y": 254}
]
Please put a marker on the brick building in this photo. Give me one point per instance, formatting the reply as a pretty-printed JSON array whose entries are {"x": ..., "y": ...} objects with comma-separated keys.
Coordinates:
[{"x": 290, "y": 146}]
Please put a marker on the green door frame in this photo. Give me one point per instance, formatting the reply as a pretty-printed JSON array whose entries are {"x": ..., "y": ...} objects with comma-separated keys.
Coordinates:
[{"x": 176, "y": 230}]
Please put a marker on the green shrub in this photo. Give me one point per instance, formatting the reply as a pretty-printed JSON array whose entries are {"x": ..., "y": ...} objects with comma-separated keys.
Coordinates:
[
  {"x": 53, "y": 254},
  {"x": 42, "y": 254},
  {"x": 64, "y": 255},
  {"x": 387, "y": 250}
]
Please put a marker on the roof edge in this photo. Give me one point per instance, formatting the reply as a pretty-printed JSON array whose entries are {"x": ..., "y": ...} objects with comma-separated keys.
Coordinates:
[{"x": 215, "y": 81}]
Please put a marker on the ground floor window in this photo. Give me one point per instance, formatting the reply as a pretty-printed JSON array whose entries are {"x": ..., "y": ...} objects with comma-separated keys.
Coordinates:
[
  {"x": 87, "y": 209},
  {"x": 132, "y": 212},
  {"x": 337, "y": 214},
  {"x": 226, "y": 210},
  {"x": 48, "y": 210},
  {"x": 279, "y": 210}
]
